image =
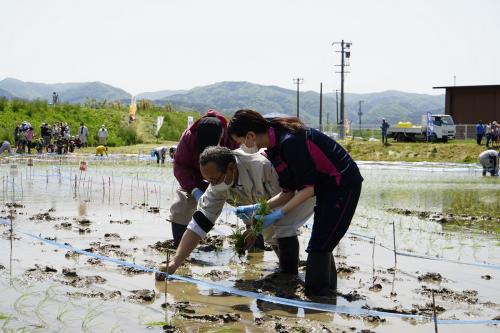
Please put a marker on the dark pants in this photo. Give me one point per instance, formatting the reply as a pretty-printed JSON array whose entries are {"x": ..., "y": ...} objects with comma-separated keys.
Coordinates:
[
  {"x": 488, "y": 139},
  {"x": 384, "y": 137},
  {"x": 335, "y": 207},
  {"x": 479, "y": 138}
]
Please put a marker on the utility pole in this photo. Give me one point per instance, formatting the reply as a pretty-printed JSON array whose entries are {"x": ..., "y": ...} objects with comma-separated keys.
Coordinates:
[
  {"x": 321, "y": 106},
  {"x": 298, "y": 81},
  {"x": 345, "y": 53},
  {"x": 337, "y": 106},
  {"x": 360, "y": 114}
]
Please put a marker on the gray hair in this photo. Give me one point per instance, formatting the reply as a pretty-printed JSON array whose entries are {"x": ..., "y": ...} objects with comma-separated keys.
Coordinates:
[{"x": 219, "y": 155}]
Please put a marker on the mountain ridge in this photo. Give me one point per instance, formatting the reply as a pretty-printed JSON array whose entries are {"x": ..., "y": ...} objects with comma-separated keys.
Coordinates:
[{"x": 229, "y": 96}]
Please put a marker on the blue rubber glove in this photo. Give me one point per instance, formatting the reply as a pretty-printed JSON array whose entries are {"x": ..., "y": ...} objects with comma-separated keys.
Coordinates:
[
  {"x": 197, "y": 193},
  {"x": 246, "y": 212},
  {"x": 272, "y": 217}
]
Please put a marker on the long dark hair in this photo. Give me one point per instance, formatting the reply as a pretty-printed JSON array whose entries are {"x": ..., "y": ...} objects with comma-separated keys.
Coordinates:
[{"x": 245, "y": 120}]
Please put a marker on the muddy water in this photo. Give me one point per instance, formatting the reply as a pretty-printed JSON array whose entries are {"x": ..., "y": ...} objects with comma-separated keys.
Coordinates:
[{"x": 118, "y": 208}]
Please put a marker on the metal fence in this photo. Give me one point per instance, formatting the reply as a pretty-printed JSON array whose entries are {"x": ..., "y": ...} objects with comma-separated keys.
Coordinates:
[{"x": 373, "y": 131}]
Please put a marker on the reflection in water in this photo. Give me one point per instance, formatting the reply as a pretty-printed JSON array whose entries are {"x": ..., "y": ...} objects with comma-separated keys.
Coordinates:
[
  {"x": 383, "y": 189},
  {"x": 82, "y": 208}
]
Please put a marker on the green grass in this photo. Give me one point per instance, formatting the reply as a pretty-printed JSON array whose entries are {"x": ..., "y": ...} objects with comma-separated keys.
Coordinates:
[
  {"x": 455, "y": 151},
  {"x": 115, "y": 117}
]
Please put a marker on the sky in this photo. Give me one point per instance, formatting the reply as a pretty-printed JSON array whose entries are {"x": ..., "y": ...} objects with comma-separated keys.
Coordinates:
[{"x": 150, "y": 45}]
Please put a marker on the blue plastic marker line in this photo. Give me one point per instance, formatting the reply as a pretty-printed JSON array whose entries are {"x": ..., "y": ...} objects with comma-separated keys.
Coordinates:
[
  {"x": 404, "y": 254},
  {"x": 272, "y": 299}
]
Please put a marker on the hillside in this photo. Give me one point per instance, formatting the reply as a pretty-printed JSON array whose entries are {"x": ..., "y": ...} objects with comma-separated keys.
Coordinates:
[
  {"x": 229, "y": 96},
  {"x": 161, "y": 94},
  {"x": 68, "y": 92},
  {"x": 115, "y": 118}
]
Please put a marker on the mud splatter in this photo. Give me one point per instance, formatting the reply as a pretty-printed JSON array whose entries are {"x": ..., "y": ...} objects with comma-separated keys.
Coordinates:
[
  {"x": 467, "y": 296},
  {"x": 121, "y": 222},
  {"x": 106, "y": 295},
  {"x": 142, "y": 296},
  {"x": 184, "y": 307},
  {"x": 225, "y": 318},
  {"x": 431, "y": 277},
  {"x": 216, "y": 275}
]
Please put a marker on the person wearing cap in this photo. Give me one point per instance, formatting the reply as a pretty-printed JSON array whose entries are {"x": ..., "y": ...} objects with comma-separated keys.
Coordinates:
[
  {"x": 489, "y": 162},
  {"x": 210, "y": 130},
  {"x": 102, "y": 134},
  {"x": 384, "y": 128},
  {"x": 240, "y": 178}
]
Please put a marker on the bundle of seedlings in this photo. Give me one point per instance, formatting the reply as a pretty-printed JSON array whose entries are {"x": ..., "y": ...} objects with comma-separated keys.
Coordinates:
[{"x": 241, "y": 239}]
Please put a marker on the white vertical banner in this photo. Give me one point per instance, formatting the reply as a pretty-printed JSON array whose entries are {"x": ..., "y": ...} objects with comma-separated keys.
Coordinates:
[
  {"x": 159, "y": 123},
  {"x": 190, "y": 121},
  {"x": 430, "y": 124}
]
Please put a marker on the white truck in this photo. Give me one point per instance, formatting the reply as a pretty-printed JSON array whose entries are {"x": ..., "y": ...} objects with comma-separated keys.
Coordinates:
[{"x": 443, "y": 129}]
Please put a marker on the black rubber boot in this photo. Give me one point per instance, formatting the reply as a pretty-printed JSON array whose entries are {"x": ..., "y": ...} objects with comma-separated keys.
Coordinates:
[
  {"x": 333, "y": 274},
  {"x": 177, "y": 232},
  {"x": 276, "y": 250},
  {"x": 319, "y": 274},
  {"x": 288, "y": 249}
]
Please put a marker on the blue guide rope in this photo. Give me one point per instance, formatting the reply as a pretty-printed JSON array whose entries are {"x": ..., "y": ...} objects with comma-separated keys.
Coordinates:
[{"x": 258, "y": 296}]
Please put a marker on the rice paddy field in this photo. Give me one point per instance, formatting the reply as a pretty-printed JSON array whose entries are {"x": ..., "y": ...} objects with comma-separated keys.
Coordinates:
[{"x": 78, "y": 250}]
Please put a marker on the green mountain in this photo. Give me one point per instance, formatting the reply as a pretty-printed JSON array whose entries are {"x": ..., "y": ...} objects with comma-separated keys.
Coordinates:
[
  {"x": 161, "y": 94},
  {"x": 68, "y": 92},
  {"x": 228, "y": 97}
]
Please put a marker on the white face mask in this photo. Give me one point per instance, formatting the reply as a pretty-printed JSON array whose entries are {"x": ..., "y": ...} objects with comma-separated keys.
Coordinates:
[
  {"x": 222, "y": 186},
  {"x": 249, "y": 150}
]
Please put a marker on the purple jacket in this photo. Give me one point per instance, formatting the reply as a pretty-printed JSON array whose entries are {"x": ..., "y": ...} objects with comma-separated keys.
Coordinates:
[{"x": 186, "y": 158}]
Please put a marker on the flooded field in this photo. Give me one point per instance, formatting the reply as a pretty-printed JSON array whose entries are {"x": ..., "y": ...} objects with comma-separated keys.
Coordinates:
[{"x": 443, "y": 221}]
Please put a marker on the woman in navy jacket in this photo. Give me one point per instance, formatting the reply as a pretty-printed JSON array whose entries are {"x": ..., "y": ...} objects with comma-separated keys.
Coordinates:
[{"x": 308, "y": 163}]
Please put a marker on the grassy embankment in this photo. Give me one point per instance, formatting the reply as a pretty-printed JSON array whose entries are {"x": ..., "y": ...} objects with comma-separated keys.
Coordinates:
[
  {"x": 113, "y": 116},
  {"x": 139, "y": 137},
  {"x": 458, "y": 151}
]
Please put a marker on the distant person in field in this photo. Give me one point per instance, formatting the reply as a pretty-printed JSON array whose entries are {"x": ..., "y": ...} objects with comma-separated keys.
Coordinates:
[
  {"x": 489, "y": 135},
  {"x": 55, "y": 98},
  {"x": 46, "y": 133},
  {"x": 171, "y": 152},
  {"x": 160, "y": 153},
  {"x": 210, "y": 130},
  {"x": 83, "y": 134},
  {"x": 489, "y": 161},
  {"x": 28, "y": 135},
  {"x": 102, "y": 134},
  {"x": 384, "y": 128},
  {"x": 101, "y": 150},
  {"x": 479, "y": 132},
  {"x": 5, "y": 147}
]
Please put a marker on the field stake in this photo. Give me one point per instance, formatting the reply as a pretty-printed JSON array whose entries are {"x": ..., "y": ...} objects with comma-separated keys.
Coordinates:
[
  {"x": 434, "y": 311},
  {"x": 394, "y": 238},
  {"x": 373, "y": 261}
]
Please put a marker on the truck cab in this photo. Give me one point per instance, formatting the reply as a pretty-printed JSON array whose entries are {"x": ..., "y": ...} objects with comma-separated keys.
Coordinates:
[{"x": 443, "y": 127}]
